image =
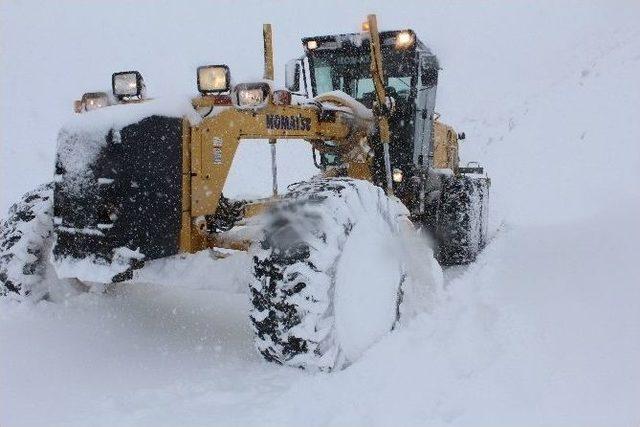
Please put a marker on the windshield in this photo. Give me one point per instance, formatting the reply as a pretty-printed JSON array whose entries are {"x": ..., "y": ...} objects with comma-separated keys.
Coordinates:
[{"x": 349, "y": 72}]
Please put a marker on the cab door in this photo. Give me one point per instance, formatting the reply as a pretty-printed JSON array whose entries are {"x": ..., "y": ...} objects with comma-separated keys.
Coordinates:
[{"x": 425, "y": 102}]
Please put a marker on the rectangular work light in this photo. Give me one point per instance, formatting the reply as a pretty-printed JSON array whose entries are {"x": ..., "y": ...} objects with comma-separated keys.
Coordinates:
[
  {"x": 213, "y": 79},
  {"x": 251, "y": 95},
  {"x": 95, "y": 100},
  {"x": 127, "y": 84}
]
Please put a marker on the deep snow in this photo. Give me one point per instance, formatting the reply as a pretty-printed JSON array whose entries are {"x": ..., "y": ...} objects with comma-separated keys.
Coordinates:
[{"x": 544, "y": 329}]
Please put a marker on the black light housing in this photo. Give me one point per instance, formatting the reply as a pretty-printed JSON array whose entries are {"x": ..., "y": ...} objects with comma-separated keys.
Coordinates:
[
  {"x": 127, "y": 84},
  {"x": 213, "y": 79}
]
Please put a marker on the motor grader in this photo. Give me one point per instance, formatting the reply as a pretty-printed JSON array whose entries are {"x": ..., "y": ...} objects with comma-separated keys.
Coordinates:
[{"x": 136, "y": 181}]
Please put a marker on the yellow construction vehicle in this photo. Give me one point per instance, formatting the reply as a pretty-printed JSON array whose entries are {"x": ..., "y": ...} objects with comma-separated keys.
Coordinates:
[{"x": 135, "y": 182}]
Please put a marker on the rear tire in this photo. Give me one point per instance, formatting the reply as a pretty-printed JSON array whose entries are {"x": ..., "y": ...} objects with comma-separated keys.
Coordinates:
[
  {"x": 461, "y": 219},
  {"x": 327, "y": 278}
]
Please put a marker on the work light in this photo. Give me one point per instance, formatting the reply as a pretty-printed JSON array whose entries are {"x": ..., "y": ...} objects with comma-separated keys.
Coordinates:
[
  {"x": 91, "y": 101},
  {"x": 404, "y": 39},
  {"x": 398, "y": 176},
  {"x": 213, "y": 79},
  {"x": 251, "y": 95},
  {"x": 127, "y": 85},
  {"x": 281, "y": 97},
  {"x": 95, "y": 100}
]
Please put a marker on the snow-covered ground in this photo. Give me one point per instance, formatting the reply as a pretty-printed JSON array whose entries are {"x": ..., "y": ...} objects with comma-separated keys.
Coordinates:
[{"x": 544, "y": 329}]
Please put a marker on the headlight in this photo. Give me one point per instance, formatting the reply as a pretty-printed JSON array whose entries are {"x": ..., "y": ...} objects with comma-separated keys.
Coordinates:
[
  {"x": 251, "y": 95},
  {"x": 312, "y": 44},
  {"x": 397, "y": 175},
  {"x": 127, "y": 84},
  {"x": 213, "y": 79},
  {"x": 405, "y": 39}
]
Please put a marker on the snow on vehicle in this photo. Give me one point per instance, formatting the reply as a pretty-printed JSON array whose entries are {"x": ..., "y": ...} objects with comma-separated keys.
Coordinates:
[{"x": 138, "y": 180}]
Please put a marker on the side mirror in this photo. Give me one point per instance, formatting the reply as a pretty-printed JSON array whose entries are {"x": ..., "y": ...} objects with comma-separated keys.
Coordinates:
[{"x": 292, "y": 71}]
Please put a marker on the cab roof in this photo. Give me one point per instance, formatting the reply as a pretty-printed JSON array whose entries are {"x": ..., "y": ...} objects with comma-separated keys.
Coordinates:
[
  {"x": 361, "y": 40},
  {"x": 359, "y": 43}
]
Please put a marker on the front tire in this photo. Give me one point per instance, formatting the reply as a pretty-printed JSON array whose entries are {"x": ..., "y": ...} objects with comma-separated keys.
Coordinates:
[
  {"x": 327, "y": 274},
  {"x": 25, "y": 241}
]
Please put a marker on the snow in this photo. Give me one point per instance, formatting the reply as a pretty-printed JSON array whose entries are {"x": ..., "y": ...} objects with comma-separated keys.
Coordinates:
[
  {"x": 118, "y": 116},
  {"x": 374, "y": 263},
  {"x": 542, "y": 330},
  {"x": 225, "y": 272},
  {"x": 92, "y": 268},
  {"x": 365, "y": 295},
  {"x": 353, "y": 105}
]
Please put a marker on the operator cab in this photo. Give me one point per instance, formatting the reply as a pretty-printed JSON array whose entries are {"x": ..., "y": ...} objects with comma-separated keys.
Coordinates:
[{"x": 342, "y": 62}]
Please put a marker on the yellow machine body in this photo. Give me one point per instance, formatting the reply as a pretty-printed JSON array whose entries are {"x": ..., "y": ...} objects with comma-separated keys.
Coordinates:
[
  {"x": 333, "y": 124},
  {"x": 445, "y": 147},
  {"x": 209, "y": 149}
]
